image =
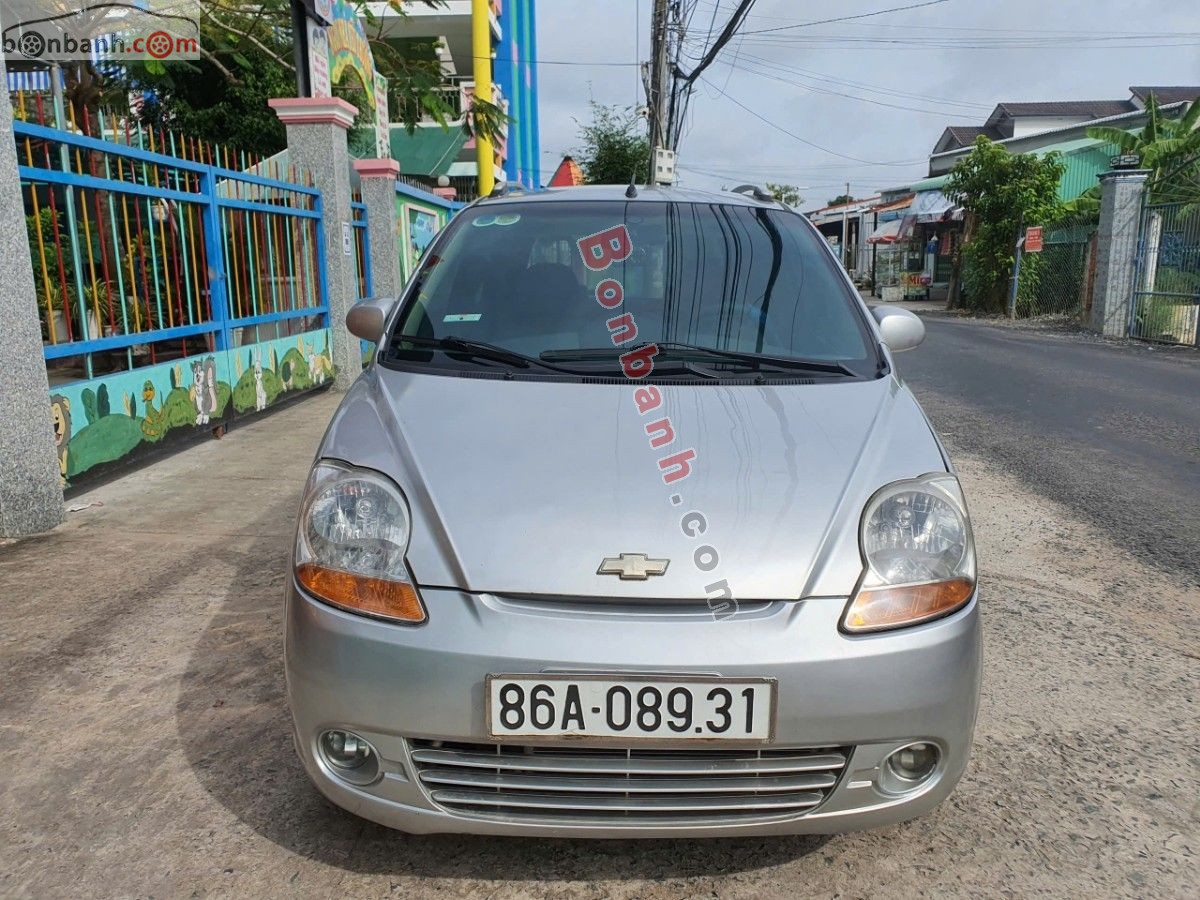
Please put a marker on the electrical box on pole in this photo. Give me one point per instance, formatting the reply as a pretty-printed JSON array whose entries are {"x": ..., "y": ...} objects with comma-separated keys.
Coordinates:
[{"x": 664, "y": 166}]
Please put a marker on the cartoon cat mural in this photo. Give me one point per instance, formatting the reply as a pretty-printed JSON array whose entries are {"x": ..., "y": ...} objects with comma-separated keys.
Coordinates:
[
  {"x": 260, "y": 392},
  {"x": 204, "y": 389}
]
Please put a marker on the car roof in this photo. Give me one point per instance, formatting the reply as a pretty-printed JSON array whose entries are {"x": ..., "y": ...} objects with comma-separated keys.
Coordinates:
[{"x": 617, "y": 192}]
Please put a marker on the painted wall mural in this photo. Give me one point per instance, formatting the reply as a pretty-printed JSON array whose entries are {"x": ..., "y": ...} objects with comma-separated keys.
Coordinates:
[
  {"x": 349, "y": 49},
  {"x": 423, "y": 226},
  {"x": 112, "y": 417}
]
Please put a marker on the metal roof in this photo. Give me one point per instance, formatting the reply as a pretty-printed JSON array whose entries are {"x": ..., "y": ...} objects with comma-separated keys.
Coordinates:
[
  {"x": 1170, "y": 109},
  {"x": 428, "y": 151},
  {"x": 1095, "y": 109},
  {"x": 1166, "y": 94},
  {"x": 930, "y": 184}
]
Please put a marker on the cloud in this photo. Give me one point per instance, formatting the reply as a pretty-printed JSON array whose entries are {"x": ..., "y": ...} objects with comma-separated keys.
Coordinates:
[{"x": 973, "y": 53}]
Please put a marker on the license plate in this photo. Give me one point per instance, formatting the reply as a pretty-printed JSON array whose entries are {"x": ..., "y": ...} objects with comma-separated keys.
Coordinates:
[{"x": 613, "y": 707}]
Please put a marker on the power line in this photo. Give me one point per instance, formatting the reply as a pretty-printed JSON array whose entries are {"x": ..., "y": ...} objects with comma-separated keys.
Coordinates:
[
  {"x": 981, "y": 29},
  {"x": 878, "y": 12},
  {"x": 863, "y": 42},
  {"x": 683, "y": 82},
  {"x": 871, "y": 88},
  {"x": 806, "y": 141},
  {"x": 940, "y": 113}
]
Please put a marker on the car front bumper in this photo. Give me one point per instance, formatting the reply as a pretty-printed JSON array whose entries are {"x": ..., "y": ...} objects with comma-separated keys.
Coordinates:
[{"x": 868, "y": 694}]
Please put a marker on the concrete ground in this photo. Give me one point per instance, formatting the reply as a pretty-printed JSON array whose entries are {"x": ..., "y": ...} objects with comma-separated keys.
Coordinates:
[{"x": 145, "y": 748}]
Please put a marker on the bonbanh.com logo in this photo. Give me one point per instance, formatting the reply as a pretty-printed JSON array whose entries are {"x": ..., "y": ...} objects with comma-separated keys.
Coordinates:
[{"x": 72, "y": 30}]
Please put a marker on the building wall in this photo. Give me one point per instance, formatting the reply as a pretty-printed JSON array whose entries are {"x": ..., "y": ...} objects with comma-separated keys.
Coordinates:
[
  {"x": 1034, "y": 124},
  {"x": 516, "y": 75},
  {"x": 1083, "y": 167}
]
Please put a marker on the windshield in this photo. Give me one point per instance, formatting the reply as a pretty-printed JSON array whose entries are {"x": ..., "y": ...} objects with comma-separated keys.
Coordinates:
[{"x": 694, "y": 277}]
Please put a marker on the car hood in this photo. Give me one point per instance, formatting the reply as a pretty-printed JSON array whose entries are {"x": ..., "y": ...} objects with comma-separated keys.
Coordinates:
[{"x": 524, "y": 487}]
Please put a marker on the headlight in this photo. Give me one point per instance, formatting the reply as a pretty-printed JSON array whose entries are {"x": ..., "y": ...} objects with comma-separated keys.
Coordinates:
[
  {"x": 351, "y": 541},
  {"x": 918, "y": 552}
]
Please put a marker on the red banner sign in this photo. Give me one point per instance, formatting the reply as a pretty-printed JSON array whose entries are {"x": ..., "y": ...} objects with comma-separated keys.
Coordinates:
[{"x": 1033, "y": 239}]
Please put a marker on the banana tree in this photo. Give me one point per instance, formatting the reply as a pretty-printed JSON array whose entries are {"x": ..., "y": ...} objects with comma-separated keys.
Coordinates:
[{"x": 1168, "y": 147}]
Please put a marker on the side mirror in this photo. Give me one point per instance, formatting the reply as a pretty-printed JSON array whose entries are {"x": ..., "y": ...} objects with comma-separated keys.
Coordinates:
[
  {"x": 900, "y": 329},
  {"x": 368, "y": 318}
]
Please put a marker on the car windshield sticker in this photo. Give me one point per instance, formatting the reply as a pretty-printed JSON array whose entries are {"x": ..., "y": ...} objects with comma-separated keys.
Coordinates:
[
  {"x": 463, "y": 317},
  {"x": 504, "y": 219}
]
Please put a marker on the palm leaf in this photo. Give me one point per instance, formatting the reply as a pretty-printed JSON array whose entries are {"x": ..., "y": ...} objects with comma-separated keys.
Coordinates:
[
  {"x": 1151, "y": 132},
  {"x": 1128, "y": 143},
  {"x": 1191, "y": 118}
]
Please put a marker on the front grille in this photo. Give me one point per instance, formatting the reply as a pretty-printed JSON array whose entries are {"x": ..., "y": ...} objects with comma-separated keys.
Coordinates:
[{"x": 602, "y": 786}]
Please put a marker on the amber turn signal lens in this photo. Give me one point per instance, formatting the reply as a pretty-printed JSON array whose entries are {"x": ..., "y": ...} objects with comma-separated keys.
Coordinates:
[
  {"x": 362, "y": 594},
  {"x": 876, "y": 609}
]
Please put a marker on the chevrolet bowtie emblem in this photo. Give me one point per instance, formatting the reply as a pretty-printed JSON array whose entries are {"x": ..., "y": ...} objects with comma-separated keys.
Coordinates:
[{"x": 633, "y": 566}]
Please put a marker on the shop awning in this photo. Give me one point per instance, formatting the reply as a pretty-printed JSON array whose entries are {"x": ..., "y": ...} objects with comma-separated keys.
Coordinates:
[
  {"x": 897, "y": 209},
  {"x": 931, "y": 206},
  {"x": 886, "y": 233}
]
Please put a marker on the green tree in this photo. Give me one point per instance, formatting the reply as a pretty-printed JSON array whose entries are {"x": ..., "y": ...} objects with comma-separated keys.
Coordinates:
[
  {"x": 841, "y": 198},
  {"x": 1001, "y": 192},
  {"x": 247, "y": 59},
  {"x": 615, "y": 146},
  {"x": 785, "y": 193}
]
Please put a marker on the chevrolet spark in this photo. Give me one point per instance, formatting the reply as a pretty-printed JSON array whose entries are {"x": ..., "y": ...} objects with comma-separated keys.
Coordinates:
[{"x": 631, "y": 529}]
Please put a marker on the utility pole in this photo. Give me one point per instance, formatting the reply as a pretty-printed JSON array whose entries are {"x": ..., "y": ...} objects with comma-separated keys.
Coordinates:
[
  {"x": 846, "y": 230},
  {"x": 657, "y": 91}
]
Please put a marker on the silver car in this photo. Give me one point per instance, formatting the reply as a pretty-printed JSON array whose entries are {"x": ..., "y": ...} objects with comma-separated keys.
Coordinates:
[{"x": 630, "y": 529}]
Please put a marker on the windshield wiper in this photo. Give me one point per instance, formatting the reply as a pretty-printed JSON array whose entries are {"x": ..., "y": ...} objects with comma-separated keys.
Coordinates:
[
  {"x": 677, "y": 347},
  {"x": 477, "y": 349}
]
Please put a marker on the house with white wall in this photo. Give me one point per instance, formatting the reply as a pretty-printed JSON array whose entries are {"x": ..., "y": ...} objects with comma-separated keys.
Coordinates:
[{"x": 1023, "y": 127}]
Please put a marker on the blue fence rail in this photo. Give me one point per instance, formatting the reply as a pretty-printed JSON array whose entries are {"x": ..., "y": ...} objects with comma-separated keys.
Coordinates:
[
  {"x": 179, "y": 284},
  {"x": 362, "y": 247},
  {"x": 136, "y": 248},
  {"x": 1166, "y": 295}
]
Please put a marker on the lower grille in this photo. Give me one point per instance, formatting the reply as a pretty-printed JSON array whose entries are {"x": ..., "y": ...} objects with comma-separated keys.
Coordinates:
[{"x": 603, "y": 786}]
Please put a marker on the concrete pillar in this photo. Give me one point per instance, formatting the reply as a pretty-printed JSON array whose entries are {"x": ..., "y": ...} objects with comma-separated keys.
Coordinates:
[
  {"x": 316, "y": 136},
  {"x": 30, "y": 486},
  {"x": 1116, "y": 249},
  {"x": 378, "y": 180}
]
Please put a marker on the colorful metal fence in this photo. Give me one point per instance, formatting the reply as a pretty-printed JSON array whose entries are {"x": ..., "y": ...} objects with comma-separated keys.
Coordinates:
[
  {"x": 362, "y": 246},
  {"x": 1166, "y": 296},
  {"x": 157, "y": 257}
]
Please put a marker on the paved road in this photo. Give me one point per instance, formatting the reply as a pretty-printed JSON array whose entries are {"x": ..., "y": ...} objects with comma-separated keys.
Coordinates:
[
  {"x": 145, "y": 745},
  {"x": 1111, "y": 431}
]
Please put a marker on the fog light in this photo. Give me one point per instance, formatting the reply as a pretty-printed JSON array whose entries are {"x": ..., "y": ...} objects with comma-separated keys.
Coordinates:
[
  {"x": 345, "y": 750},
  {"x": 913, "y": 764}
]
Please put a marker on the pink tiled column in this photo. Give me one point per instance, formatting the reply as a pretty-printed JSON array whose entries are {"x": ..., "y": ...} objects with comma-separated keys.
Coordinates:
[
  {"x": 316, "y": 136},
  {"x": 378, "y": 180}
]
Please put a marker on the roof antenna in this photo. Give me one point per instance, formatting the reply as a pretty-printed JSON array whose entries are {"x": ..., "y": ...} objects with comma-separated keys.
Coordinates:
[{"x": 631, "y": 191}]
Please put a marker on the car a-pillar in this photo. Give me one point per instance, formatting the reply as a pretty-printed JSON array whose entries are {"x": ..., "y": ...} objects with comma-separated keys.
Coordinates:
[
  {"x": 316, "y": 138},
  {"x": 31, "y": 499}
]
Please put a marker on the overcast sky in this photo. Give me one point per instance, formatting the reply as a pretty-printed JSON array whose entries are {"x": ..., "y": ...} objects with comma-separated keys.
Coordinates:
[{"x": 945, "y": 63}]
